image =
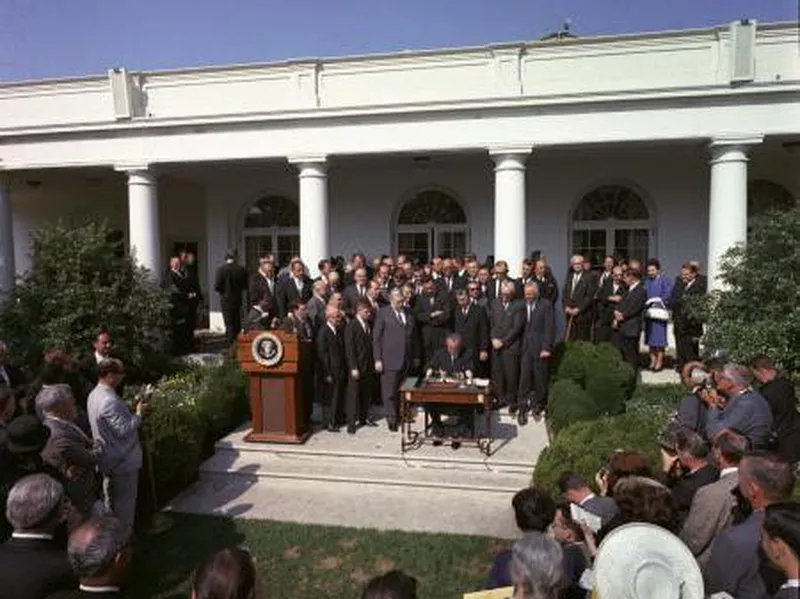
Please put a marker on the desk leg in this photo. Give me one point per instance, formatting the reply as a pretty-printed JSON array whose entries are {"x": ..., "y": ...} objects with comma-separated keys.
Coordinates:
[
  {"x": 487, "y": 414},
  {"x": 403, "y": 424}
]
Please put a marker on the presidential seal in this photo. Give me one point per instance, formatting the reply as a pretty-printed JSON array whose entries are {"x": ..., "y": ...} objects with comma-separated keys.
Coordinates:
[{"x": 267, "y": 349}]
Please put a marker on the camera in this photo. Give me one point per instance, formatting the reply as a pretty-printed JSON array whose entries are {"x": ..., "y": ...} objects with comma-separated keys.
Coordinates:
[{"x": 701, "y": 378}]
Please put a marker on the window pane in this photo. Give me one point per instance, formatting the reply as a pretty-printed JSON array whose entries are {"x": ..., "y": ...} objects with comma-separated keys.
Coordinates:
[
  {"x": 590, "y": 243},
  {"x": 452, "y": 244},
  {"x": 255, "y": 247},
  {"x": 273, "y": 211},
  {"x": 431, "y": 207},
  {"x": 611, "y": 202},
  {"x": 632, "y": 243},
  {"x": 288, "y": 246},
  {"x": 413, "y": 245},
  {"x": 765, "y": 196}
]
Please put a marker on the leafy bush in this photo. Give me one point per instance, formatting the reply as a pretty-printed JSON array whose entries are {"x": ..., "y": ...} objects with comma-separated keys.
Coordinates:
[
  {"x": 590, "y": 380},
  {"x": 80, "y": 280},
  {"x": 756, "y": 311},
  {"x": 223, "y": 400},
  {"x": 584, "y": 447}
]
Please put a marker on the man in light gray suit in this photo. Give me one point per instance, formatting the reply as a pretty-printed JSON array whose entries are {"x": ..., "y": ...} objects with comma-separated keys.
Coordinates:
[
  {"x": 578, "y": 492},
  {"x": 392, "y": 337},
  {"x": 115, "y": 428},
  {"x": 712, "y": 505}
]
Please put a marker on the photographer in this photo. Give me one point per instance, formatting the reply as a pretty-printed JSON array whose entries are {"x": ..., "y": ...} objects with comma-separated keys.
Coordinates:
[{"x": 738, "y": 407}]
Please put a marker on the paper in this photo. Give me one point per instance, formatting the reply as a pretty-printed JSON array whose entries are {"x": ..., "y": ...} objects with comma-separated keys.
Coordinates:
[
  {"x": 501, "y": 593},
  {"x": 586, "y": 517}
]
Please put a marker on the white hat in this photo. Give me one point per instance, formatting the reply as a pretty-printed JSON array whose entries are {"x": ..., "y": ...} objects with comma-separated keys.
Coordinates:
[{"x": 645, "y": 561}]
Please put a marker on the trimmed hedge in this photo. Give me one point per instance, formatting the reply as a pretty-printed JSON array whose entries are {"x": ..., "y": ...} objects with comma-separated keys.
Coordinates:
[
  {"x": 589, "y": 381},
  {"x": 584, "y": 447}
]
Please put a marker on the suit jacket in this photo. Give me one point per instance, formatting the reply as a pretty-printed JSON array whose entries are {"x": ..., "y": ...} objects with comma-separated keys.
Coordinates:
[
  {"x": 711, "y": 513},
  {"x": 358, "y": 347},
  {"x": 632, "y": 307},
  {"x": 548, "y": 288},
  {"x": 748, "y": 413},
  {"x": 605, "y": 308},
  {"x": 433, "y": 329},
  {"x": 684, "y": 490},
  {"x": 677, "y": 302},
  {"x": 605, "y": 507},
  {"x": 350, "y": 297},
  {"x": 473, "y": 328},
  {"x": 735, "y": 562},
  {"x": 449, "y": 287},
  {"x": 16, "y": 380},
  {"x": 539, "y": 332},
  {"x": 492, "y": 289},
  {"x": 315, "y": 310},
  {"x": 259, "y": 287},
  {"x": 331, "y": 353},
  {"x": 116, "y": 430},
  {"x": 257, "y": 320},
  {"x": 70, "y": 449},
  {"x": 583, "y": 295},
  {"x": 303, "y": 329},
  {"x": 231, "y": 282},
  {"x": 287, "y": 291},
  {"x": 507, "y": 324},
  {"x": 442, "y": 361},
  {"x": 34, "y": 569},
  {"x": 782, "y": 400},
  {"x": 392, "y": 341}
]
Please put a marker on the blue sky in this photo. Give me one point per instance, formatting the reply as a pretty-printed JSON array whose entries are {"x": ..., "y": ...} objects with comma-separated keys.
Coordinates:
[{"x": 59, "y": 38}]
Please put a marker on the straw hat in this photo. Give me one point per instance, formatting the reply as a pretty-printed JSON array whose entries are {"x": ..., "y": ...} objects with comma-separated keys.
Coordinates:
[{"x": 644, "y": 561}]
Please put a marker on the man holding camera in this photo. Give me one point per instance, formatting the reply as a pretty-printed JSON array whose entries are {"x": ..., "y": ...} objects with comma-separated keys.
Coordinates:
[{"x": 115, "y": 428}]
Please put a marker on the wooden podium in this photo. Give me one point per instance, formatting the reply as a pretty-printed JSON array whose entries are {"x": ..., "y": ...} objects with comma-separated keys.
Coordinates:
[{"x": 280, "y": 385}]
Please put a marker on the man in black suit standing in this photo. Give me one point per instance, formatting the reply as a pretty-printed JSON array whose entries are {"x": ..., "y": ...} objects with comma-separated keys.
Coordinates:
[
  {"x": 543, "y": 277},
  {"x": 688, "y": 329},
  {"x": 32, "y": 564},
  {"x": 608, "y": 297},
  {"x": 231, "y": 284},
  {"x": 628, "y": 318},
  {"x": 296, "y": 285},
  {"x": 450, "y": 281},
  {"x": 537, "y": 347},
  {"x": 392, "y": 339},
  {"x": 507, "y": 318},
  {"x": 360, "y": 367},
  {"x": 332, "y": 365},
  {"x": 262, "y": 282},
  {"x": 355, "y": 292},
  {"x": 471, "y": 322},
  {"x": 432, "y": 315},
  {"x": 177, "y": 285},
  {"x": 578, "y": 295}
]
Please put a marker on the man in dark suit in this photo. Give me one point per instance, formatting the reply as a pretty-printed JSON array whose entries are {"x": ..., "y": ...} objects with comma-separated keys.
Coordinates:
[
  {"x": 315, "y": 306},
  {"x": 392, "y": 348},
  {"x": 543, "y": 277},
  {"x": 263, "y": 281},
  {"x": 453, "y": 360},
  {"x": 688, "y": 329},
  {"x": 297, "y": 322},
  {"x": 32, "y": 564},
  {"x": 507, "y": 321},
  {"x": 261, "y": 316},
  {"x": 102, "y": 349},
  {"x": 628, "y": 318},
  {"x": 177, "y": 285},
  {"x": 360, "y": 367},
  {"x": 355, "y": 292},
  {"x": 432, "y": 316},
  {"x": 450, "y": 281},
  {"x": 778, "y": 389},
  {"x": 194, "y": 294},
  {"x": 500, "y": 276},
  {"x": 609, "y": 295},
  {"x": 537, "y": 346},
  {"x": 99, "y": 553},
  {"x": 295, "y": 286},
  {"x": 231, "y": 283},
  {"x": 578, "y": 296},
  {"x": 332, "y": 365},
  {"x": 577, "y": 491},
  {"x": 472, "y": 322}
]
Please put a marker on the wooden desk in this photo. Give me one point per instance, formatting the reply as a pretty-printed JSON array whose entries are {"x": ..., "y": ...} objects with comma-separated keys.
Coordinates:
[{"x": 419, "y": 392}]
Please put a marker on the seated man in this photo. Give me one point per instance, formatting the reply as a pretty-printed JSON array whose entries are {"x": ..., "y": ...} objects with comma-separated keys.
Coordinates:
[
  {"x": 451, "y": 361},
  {"x": 740, "y": 408}
]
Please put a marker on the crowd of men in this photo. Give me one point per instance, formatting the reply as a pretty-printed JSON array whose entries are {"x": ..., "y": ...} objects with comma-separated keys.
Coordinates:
[{"x": 375, "y": 322}]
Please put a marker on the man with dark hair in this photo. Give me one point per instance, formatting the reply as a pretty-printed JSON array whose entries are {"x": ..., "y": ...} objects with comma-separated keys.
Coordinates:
[
  {"x": 688, "y": 329},
  {"x": 712, "y": 507},
  {"x": 778, "y": 390},
  {"x": 99, "y": 554},
  {"x": 231, "y": 284},
  {"x": 32, "y": 564},
  {"x": 628, "y": 318},
  {"x": 534, "y": 510},
  {"x": 687, "y": 468},
  {"x": 781, "y": 543},
  {"x": 578, "y": 296},
  {"x": 263, "y": 281},
  {"x": 332, "y": 364},
  {"x": 735, "y": 566},
  {"x": 392, "y": 585},
  {"x": 360, "y": 367},
  {"x": 296, "y": 285},
  {"x": 102, "y": 347},
  {"x": 575, "y": 489}
]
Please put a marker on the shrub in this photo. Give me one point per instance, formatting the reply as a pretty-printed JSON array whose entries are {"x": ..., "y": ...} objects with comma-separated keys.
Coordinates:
[
  {"x": 569, "y": 403},
  {"x": 81, "y": 279},
  {"x": 584, "y": 447},
  {"x": 223, "y": 399}
]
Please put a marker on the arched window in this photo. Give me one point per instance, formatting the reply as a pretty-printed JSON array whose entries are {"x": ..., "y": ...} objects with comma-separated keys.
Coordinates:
[
  {"x": 765, "y": 196},
  {"x": 432, "y": 223},
  {"x": 271, "y": 226},
  {"x": 612, "y": 220}
]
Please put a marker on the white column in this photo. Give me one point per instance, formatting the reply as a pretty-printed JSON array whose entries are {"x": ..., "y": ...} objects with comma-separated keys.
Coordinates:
[
  {"x": 314, "y": 214},
  {"x": 7, "y": 268},
  {"x": 727, "y": 213},
  {"x": 144, "y": 233},
  {"x": 509, "y": 207}
]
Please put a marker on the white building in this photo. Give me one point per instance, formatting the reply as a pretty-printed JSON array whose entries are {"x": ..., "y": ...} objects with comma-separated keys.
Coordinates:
[{"x": 647, "y": 145}]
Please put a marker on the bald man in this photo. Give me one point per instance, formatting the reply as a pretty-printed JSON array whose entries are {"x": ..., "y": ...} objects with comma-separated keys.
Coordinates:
[{"x": 333, "y": 366}]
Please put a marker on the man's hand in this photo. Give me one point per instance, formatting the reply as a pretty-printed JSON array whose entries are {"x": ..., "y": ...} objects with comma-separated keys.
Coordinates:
[
  {"x": 141, "y": 407},
  {"x": 329, "y": 379},
  {"x": 544, "y": 354},
  {"x": 497, "y": 343},
  {"x": 667, "y": 461},
  {"x": 618, "y": 316},
  {"x": 615, "y": 298},
  {"x": 437, "y": 313},
  {"x": 355, "y": 374},
  {"x": 378, "y": 366},
  {"x": 483, "y": 356}
]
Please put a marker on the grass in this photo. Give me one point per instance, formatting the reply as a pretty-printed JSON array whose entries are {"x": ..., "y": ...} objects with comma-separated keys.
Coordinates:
[{"x": 304, "y": 562}]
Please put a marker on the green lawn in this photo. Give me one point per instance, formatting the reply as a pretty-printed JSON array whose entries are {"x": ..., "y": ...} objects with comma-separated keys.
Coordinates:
[{"x": 309, "y": 562}]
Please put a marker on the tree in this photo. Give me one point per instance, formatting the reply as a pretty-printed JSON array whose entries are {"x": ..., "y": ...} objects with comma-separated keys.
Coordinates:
[
  {"x": 81, "y": 280},
  {"x": 757, "y": 310}
]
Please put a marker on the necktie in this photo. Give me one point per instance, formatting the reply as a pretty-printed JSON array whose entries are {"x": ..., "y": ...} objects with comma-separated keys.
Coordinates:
[
  {"x": 575, "y": 280},
  {"x": 530, "y": 311},
  {"x": 464, "y": 312},
  {"x": 299, "y": 284}
]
